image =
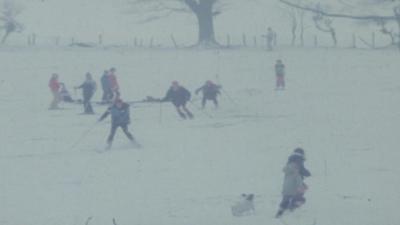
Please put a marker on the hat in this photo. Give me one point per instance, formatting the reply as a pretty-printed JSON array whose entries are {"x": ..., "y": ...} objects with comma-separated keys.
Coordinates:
[{"x": 299, "y": 151}]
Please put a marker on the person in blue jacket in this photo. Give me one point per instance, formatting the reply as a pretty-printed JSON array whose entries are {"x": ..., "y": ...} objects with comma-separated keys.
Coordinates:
[
  {"x": 120, "y": 117},
  {"x": 88, "y": 89}
]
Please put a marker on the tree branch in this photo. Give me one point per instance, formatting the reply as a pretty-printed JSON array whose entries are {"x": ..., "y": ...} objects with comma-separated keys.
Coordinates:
[{"x": 345, "y": 16}]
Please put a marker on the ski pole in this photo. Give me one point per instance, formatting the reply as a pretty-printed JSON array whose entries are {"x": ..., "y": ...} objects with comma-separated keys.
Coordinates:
[
  {"x": 225, "y": 92},
  {"x": 83, "y": 135}
]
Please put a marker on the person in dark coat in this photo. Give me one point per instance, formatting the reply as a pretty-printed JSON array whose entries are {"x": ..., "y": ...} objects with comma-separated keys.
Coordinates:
[
  {"x": 210, "y": 92},
  {"x": 294, "y": 186},
  {"x": 105, "y": 84},
  {"x": 179, "y": 96},
  {"x": 88, "y": 89},
  {"x": 119, "y": 118}
]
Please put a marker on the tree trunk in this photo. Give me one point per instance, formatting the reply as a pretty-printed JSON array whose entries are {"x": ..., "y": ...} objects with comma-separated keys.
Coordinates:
[
  {"x": 204, "y": 13},
  {"x": 205, "y": 21}
]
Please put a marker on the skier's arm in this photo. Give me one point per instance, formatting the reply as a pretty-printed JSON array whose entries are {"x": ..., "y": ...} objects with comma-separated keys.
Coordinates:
[
  {"x": 167, "y": 96},
  {"x": 105, "y": 114},
  {"x": 198, "y": 90}
]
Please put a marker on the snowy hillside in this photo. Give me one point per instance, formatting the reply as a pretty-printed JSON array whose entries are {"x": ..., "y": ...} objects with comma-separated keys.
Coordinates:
[{"x": 341, "y": 106}]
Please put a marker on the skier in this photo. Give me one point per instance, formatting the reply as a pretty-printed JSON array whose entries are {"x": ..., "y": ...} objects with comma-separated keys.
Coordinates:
[
  {"x": 280, "y": 75},
  {"x": 119, "y": 118},
  {"x": 54, "y": 86},
  {"x": 179, "y": 96},
  {"x": 293, "y": 185},
  {"x": 210, "y": 92},
  {"x": 64, "y": 94},
  {"x": 105, "y": 84},
  {"x": 88, "y": 89},
  {"x": 112, "y": 78}
]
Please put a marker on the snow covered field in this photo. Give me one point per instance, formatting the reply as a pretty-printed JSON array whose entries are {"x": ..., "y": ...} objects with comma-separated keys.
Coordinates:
[{"x": 341, "y": 106}]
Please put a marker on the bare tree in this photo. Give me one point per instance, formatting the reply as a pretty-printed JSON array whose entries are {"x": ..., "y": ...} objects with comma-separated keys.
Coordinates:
[
  {"x": 204, "y": 10},
  {"x": 8, "y": 16},
  {"x": 325, "y": 24},
  {"x": 392, "y": 15}
]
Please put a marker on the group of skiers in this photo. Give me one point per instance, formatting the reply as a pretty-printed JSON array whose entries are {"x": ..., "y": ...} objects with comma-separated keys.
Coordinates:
[{"x": 295, "y": 172}]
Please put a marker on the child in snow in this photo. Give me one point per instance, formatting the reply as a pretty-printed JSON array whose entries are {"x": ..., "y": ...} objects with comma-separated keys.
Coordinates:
[
  {"x": 119, "y": 118},
  {"x": 54, "y": 86},
  {"x": 64, "y": 94},
  {"x": 179, "y": 96},
  {"x": 114, "y": 86},
  {"x": 293, "y": 185},
  {"x": 210, "y": 92},
  {"x": 88, "y": 89},
  {"x": 280, "y": 74}
]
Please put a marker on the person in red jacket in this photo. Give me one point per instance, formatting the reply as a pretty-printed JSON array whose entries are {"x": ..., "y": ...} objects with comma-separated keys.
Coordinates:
[
  {"x": 54, "y": 86},
  {"x": 113, "y": 83}
]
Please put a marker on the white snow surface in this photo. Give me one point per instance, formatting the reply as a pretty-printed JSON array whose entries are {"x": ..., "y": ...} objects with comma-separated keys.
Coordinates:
[{"x": 341, "y": 106}]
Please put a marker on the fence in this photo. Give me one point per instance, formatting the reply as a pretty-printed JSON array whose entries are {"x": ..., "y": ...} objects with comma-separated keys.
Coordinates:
[{"x": 229, "y": 41}]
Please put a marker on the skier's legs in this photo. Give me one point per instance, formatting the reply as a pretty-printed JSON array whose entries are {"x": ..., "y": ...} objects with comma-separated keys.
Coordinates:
[
  {"x": 181, "y": 114},
  {"x": 56, "y": 99},
  {"x": 112, "y": 134},
  {"x": 203, "y": 102},
  {"x": 190, "y": 114},
  {"x": 127, "y": 133},
  {"x": 215, "y": 102}
]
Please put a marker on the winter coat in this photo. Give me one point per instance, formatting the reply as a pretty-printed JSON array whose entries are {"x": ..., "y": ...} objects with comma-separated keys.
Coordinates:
[
  {"x": 113, "y": 82},
  {"x": 54, "y": 85},
  {"x": 88, "y": 88},
  {"x": 177, "y": 97},
  {"x": 299, "y": 160},
  {"x": 293, "y": 182},
  {"x": 210, "y": 91},
  {"x": 105, "y": 82},
  {"x": 119, "y": 116},
  {"x": 280, "y": 69}
]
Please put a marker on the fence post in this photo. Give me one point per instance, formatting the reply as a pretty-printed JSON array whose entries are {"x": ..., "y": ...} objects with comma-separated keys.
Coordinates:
[
  {"x": 228, "y": 41},
  {"x": 373, "y": 39},
  {"x": 315, "y": 41},
  {"x": 244, "y": 39},
  {"x": 174, "y": 41},
  {"x": 151, "y": 42},
  {"x": 33, "y": 39},
  {"x": 57, "y": 40}
]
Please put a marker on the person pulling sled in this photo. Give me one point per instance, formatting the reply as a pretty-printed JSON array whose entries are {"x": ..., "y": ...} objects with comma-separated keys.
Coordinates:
[
  {"x": 179, "y": 96},
  {"x": 120, "y": 117},
  {"x": 293, "y": 185}
]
